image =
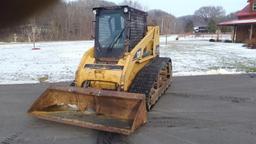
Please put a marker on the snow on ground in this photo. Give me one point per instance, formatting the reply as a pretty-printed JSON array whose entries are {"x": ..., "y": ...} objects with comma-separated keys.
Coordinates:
[
  {"x": 204, "y": 58},
  {"x": 57, "y": 61},
  {"x": 195, "y": 37}
]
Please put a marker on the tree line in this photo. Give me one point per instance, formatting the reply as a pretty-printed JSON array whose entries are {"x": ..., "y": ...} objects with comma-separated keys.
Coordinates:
[
  {"x": 208, "y": 16},
  {"x": 73, "y": 21}
]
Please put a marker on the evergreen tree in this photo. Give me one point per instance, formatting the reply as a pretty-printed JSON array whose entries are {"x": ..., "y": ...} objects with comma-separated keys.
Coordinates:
[
  {"x": 212, "y": 26},
  {"x": 189, "y": 26}
]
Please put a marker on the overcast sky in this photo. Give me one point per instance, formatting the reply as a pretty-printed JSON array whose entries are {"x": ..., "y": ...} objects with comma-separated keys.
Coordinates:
[{"x": 187, "y": 7}]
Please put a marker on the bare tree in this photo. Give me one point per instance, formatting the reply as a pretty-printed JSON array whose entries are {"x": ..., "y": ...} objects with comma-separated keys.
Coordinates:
[
  {"x": 167, "y": 22},
  {"x": 210, "y": 12},
  {"x": 73, "y": 21}
]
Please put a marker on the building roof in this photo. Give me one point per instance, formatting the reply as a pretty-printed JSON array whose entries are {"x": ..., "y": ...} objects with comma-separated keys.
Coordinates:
[
  {"x": 247, "y": 11},
  {"x": 245, "y": 16},
  {"x": 238, "y": 22},
  {"x": 244, "y": 11}
]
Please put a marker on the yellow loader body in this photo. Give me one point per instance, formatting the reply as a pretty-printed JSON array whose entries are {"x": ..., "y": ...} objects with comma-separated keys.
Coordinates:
[
  {"x": 107, "y": 107},
  {"x": 107, "y": 77},
  {"x": 117, "y": 80}
]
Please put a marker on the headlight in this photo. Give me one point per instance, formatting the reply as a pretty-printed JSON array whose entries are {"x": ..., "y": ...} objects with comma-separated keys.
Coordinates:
[
  {"x": 126, "y": 10},
  {"x": 94, "y": 12}
]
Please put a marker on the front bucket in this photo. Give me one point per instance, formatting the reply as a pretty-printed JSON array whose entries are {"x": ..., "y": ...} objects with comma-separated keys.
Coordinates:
[{"x": 118, "y": 112}]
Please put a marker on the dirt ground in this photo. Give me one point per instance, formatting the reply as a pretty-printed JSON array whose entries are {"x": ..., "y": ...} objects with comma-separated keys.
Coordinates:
[{"x": 195, "y": 110}]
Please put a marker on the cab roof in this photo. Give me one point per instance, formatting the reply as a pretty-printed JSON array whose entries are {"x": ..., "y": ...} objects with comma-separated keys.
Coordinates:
[{"x": 131, "y": 9}]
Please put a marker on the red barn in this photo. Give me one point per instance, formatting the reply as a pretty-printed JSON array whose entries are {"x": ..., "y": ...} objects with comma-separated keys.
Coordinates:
[{"x": 245, "y": 25}]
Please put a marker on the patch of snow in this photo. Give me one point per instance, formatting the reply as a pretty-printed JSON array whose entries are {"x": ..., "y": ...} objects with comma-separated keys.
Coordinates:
[
  {"x": 55, "y": 62},
  {"x": 194, "y": 37},
  {"x": 202, "y": 57},
  {"x": 73, "y": 107},
  {"x": 210, "y": 72},
  {"x": 58, "y": 61}
]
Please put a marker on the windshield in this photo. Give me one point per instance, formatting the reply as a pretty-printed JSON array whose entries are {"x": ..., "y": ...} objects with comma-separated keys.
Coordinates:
[{"x": 111, "y": 31}]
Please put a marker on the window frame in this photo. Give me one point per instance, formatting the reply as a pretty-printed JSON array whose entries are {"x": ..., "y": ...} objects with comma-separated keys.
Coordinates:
[
  {"x": 111, "y": 27},
  {"x": 105, "y": 53},
  {"x": 254, "y": 6}
]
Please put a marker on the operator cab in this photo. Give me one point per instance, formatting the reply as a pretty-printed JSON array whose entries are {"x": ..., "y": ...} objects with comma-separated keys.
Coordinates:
[{"x": 118, "y": 30}]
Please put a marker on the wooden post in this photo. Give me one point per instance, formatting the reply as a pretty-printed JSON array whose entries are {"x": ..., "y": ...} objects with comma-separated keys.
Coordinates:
[
  {"x": 34, "y": 36},
  {"x": 166, "y": 41},
  {"x": 218, "y": 32},
  {"x": 162, "y": 26},
  {"x": 251, "y": 32},
  {"x": 234, "y": 34},
  {"x": 15, "y": 37}
]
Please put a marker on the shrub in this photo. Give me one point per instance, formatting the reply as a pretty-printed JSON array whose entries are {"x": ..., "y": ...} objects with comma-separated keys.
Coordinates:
[{"x": 251, "y": 43}]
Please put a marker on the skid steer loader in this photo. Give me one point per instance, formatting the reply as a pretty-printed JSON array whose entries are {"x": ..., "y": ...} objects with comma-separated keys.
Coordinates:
[{"x": 117, "y": 80}]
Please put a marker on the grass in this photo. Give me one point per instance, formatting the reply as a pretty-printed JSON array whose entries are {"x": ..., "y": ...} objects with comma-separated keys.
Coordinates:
[
  {"x": 43, "y": 79},
  {"x": 251, "y": 69}
]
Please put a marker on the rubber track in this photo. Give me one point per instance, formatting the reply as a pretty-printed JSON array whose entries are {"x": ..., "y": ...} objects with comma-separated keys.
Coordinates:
[{"x": 145, "y": 79}]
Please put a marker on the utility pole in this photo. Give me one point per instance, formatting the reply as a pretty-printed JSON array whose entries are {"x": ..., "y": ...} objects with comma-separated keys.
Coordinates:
[
  {"x": 162, "y": 31},
  {"x": 162, "y": 26},
  {"x": 175, "y": 23}
]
